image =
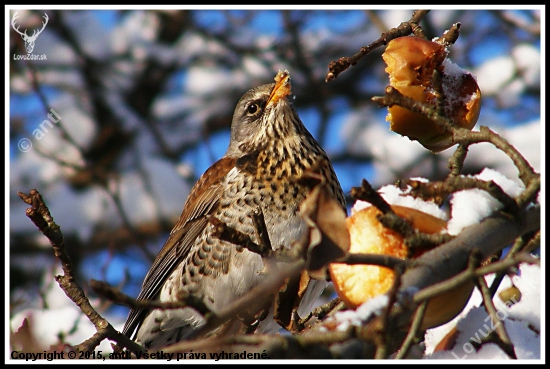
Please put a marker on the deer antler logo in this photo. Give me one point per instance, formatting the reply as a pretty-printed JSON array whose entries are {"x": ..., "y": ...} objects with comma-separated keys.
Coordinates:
[{"x": 29, "y": 40}]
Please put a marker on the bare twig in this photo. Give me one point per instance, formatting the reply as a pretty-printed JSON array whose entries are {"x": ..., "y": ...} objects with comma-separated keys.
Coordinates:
[
  {"x": 38, "y": 89},
  {"x": 412, "y": 334},
  {"x": 375, "y": 259},
  {"x": 469, "y": 275},
  {"x": 518, "y": 246},
  {"x": 103, "y": 289},
  {"x": 40, "y": 215},
  {"x": 504, "y": 340},
  {"x": 456, "y": 162},
  {"x": 253, "y": 300},
  {"x": 261, "y": 231},
  {"x": 228, "y": 234},
  {"x": 383, "y": 338},
  {"x": 413, "y": 238},
  {"x": 368, "y": 194},
  {"x": 460, "y": 135},
  {"x": 404, "y": 29},
  {"x": 454, "y": 184},
  {"x": 322, "y": 311}
]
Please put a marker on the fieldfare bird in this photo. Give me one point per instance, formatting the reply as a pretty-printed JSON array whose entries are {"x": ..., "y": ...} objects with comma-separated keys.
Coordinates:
[{"x": 269, "y": 150}]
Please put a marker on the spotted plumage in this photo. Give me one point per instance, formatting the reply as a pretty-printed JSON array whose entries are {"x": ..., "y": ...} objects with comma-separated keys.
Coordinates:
[{"x": 269, "y": 149}]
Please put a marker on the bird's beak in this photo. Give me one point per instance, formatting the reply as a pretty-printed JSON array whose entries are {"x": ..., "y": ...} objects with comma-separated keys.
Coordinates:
[{"x": 282, "y": 87}]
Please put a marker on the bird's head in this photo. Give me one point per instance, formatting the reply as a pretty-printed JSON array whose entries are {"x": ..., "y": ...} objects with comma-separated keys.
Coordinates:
[{"x": 263, "y": 114}]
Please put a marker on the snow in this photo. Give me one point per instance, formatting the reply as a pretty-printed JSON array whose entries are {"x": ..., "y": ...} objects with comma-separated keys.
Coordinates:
[
  {"x": 453, "y": 70},
  {"x": 392, "y": 153},
  {"x": 497, "y": 76},
  {"x": 529, "y": 283},
  {"x": 81, "y": 211},
  {"x": 521, "y": 321},
  {"x": 396, "y": 196},
  {"x": 521, "y": 137},
  {"x": 85, "y": 24},
  {"x": 527, "y": 59},
  {"x": 61, "y": 316},
  {"x": 167, "y": 187},
  {"x": 494, "y": 74},
  {"x": 255, "y": 68},
  {"x": 357, "y": 317},
  {"x": 138, "y": 29},
  {"x": 468, "y": 207},
  {"x": 471, "y": 206}
]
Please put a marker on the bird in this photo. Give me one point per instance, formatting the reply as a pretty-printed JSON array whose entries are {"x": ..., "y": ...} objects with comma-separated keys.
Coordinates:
[{"x": 269, "y": 149}]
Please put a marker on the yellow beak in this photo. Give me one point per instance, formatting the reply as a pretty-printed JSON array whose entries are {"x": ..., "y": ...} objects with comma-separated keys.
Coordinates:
[{"x": 282, "y": 87}]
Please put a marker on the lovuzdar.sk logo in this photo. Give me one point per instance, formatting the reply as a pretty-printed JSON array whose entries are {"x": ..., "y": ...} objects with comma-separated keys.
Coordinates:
[{"x": 29, "y": 40}]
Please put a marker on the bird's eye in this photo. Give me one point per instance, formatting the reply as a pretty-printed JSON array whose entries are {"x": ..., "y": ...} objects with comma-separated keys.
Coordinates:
[{"x": 253, "y": 109}]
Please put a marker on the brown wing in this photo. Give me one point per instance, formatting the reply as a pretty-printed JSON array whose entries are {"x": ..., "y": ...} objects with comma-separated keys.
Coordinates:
[{"x": 201, "y": 201}]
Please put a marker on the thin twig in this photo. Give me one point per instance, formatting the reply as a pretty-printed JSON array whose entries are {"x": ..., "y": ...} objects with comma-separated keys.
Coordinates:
[
  {"x": 452, "y": 184},
  {"x": 504, "y": 340},
  {"x": 374, "y": 259},
  {"x": 406, "y": 28},
  {"x": 460, "y": 135},
  {"x": 518, "y": 246},
  {"x": 383, "y": 338},
  {"x": 238, "y": 238},
  {"x": 469, "y": 275},
  {"x": 114, "y": 295},
  {"x": 370, "y": 195},
  {"x": 322, "y": 311},
  {"x": 413, "y": 331},
  {"x": 40, "y": 215},
  {"x": 251, "y": 300}
]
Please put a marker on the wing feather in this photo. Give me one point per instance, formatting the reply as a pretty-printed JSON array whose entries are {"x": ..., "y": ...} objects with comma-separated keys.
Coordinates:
[{"x": 203, "y": 199}]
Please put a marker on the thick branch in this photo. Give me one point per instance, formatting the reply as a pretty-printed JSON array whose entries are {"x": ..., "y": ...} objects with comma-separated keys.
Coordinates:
[{"x": 488, "y": 237}]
